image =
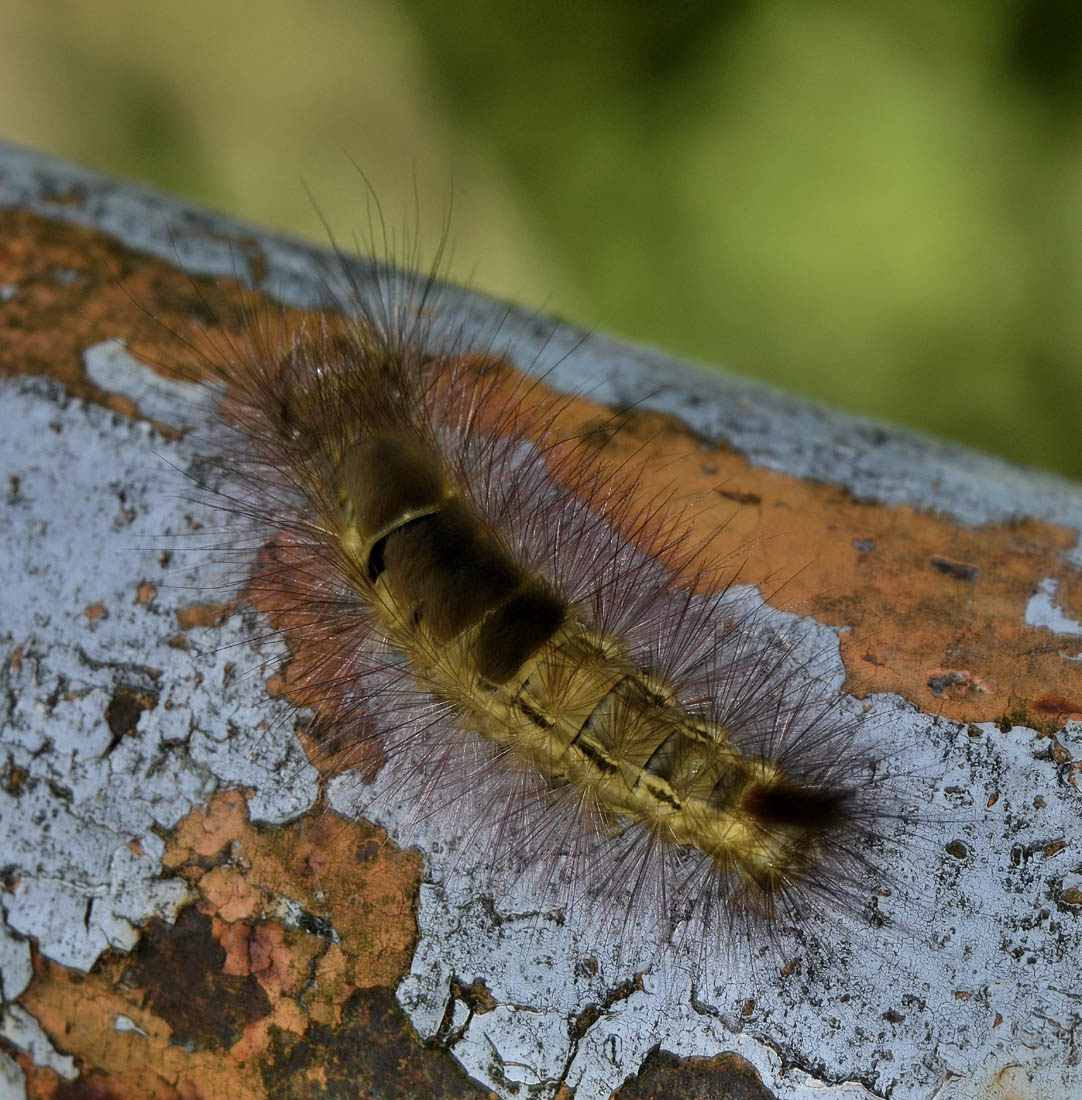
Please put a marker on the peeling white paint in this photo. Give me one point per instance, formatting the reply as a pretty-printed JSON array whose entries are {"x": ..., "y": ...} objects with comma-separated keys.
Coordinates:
[
  {"x": 12, "y": 1079},
  {"x": 23, "y": 1031},
  {"x": 91, "y": 515},
  {"x": 513, "y": 1047},
  {"x": 1042, "y": 610},
  {"x": 15, "y": 966},
  {"x": 84, "y": 919},
  {"x": 127, "y": 1024},
  {"x": 170, "y": 401}
]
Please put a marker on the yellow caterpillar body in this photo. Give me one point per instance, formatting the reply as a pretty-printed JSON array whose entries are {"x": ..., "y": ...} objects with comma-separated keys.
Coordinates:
[{"x": 525, "y": 669}]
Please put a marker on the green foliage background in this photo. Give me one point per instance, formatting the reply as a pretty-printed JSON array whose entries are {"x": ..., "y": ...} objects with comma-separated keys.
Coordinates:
[{"x": 876, "y": 205}]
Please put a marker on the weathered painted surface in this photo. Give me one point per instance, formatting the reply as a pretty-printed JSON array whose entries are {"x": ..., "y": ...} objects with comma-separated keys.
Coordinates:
[{"x": 182, "y": 915}]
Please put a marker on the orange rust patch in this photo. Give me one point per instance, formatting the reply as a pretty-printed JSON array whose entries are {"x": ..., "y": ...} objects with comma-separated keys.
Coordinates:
[
  {"x": 249, "y": 981},
  {"x": 204, "y": 614},
  {"x": 95, "y": 611},
  {"x": 75, "y": 287},
  {"x": 929, "y": 609},
  {"x": 13, "y": 777},
  {"x": 347, "y": 875}
]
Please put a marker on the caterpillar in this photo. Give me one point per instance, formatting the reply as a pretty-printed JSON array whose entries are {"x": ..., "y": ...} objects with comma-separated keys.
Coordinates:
[{"x": 484, "y": 613}]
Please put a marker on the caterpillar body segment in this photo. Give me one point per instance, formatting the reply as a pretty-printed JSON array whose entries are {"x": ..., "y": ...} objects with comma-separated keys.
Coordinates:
[{"x": 626, "y": 707}]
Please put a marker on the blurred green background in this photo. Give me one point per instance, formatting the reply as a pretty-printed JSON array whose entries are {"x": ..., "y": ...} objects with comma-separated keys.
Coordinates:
[{"x": 876, "y": 205}]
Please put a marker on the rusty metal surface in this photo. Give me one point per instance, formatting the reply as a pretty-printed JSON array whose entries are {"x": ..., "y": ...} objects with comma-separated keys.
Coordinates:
[{"x": 184, "y": 916}]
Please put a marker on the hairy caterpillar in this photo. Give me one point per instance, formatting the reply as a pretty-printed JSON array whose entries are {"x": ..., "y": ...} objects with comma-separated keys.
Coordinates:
[{"x": 483, "y": 609}]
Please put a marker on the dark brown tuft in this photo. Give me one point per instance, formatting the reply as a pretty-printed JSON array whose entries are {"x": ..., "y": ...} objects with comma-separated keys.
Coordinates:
[
  {"x": 792, "y": 805},
  {"x": 447, "y": 570},
  {"x": 388, "y": 477},
  {"x": 517, "y": 630}
]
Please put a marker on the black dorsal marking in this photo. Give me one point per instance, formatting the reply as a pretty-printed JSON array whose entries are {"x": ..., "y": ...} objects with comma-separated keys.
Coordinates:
[
  {"x": 536, "y": 717},
  {"x": 375, "y": 560},
  {"x": 602, "y": 763}
]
